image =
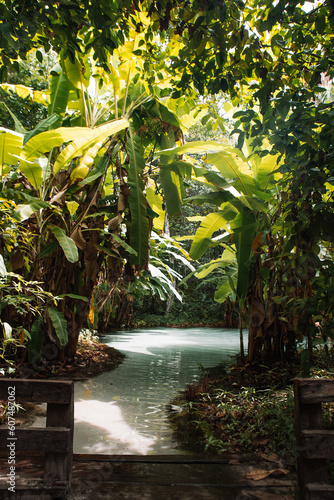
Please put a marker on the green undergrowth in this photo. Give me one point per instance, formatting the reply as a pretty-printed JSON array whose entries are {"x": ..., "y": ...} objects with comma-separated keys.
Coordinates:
[
  {"x": 249, "y": 410},
  {"x": 239, "y": 421}
]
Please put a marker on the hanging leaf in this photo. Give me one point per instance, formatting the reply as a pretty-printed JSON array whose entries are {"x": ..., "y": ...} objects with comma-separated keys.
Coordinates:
[
  {"x": 226, "y": 288},
  {"x": 77, "y": 73},
  {"x": 156, "y": 202},
  {"x": 59, "y": 91},
  {"x": 244, "y": 232},
  {"x": 67, "y": 244},
  {"x": 51, "y": 247},
  {"x": 60, "y": 325},
  {"x": 7, "y": 330},
  {"x": 157, "y": 273},
  {"x": 10, "y": 147},
  {"x": 3, "y": 270},
  {"x": 210, "y": 224},
  {"x": 139, "y": 233},
  {"x": 172, "y": 182}
]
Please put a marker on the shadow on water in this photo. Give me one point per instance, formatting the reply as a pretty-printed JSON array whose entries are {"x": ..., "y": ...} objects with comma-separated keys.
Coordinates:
[{"x": 125, "y": 411}]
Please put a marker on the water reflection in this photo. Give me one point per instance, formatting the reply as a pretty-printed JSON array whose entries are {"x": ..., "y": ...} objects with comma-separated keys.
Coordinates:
[
  {"x": 101, "y": 428},
  {"x": 124, "y": 411}
]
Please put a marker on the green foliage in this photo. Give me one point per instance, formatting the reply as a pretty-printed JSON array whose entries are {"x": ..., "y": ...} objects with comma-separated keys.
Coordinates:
[
  {"x": 241, "y": 421},
  {"x": 84, "y": 172},
  {"x": 139, "y": 232},
  {"x": 60, "y": 325},
  {"x": 68, "y": 245},
  {"x": 20, "y": 299}
]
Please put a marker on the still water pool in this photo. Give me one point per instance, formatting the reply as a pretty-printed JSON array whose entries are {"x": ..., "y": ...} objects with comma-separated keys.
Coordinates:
[{"x": 124, "y": 411}]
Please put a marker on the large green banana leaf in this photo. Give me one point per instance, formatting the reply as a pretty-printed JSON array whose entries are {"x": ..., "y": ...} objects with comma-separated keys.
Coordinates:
[
  {"x": 210, "y": 224},
  {"x": 59, "y": 91},
  {"x": 232, "y": 166},
  {"x": 67, "y": 244},
  {"x": 43, "y": 125},
  {"x": 227, "y": 286},
  {"x": 80, "y": 145},
  {"x": 139, "y": 233},
  {"x": 244, "y": 226},
  {"x": 10, "y": 147},
  {"x": 60, "y": 325},
  {"x": 196, "y": 147},
  {"x": 231, "y": 162},
  {"x": 33, "y": 151},
  {"x": 266, "y": 172},
  {"x": 171, "y": 182},
  {"x": 78, "y": 73}
]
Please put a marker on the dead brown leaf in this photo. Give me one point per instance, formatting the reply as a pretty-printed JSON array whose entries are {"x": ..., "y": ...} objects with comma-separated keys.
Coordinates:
[
  {"x": 273, "y": 457},
  {"x": 259, "y": 474}
]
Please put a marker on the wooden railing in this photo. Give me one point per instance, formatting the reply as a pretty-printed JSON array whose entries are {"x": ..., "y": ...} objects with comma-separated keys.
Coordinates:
[
  {"x": 55, "y": 440},
  {"x": 315, "y": 445}
]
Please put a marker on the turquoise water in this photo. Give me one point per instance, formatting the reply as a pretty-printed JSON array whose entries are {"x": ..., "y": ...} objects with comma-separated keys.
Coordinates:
[{"x": 124, "y": 411}]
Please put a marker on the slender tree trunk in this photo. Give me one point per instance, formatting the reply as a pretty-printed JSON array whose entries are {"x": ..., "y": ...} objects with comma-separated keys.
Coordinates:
[{"x": 242, "y": 350}]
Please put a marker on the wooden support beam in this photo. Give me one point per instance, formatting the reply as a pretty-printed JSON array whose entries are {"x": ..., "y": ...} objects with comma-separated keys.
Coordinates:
[
  {"x": 308, "y": 416},
  {"x": 319, "y": 492},
  {"x": 37, "y": 391},
  {"x": 317, "y": 443},
  {"x": 313, "y": 391},
  {"x": 59, "y": 464},
  {"x": 53, "y": 439}
]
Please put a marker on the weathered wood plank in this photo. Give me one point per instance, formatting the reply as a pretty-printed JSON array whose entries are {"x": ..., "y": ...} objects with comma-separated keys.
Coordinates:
[
  {"x": 37, "y": 391},
  {"x": 318, "y": 443},
  {"x": 313, "y": 391},
  {"x": 307, "y": 417},
  {"x": 59, "y": 465},
  {"x": 156, "y": 459},
  {"x": 317, "y": 491},
  {"x": 38, "y": 491},
  {"x": 36, "y": 484},
  {"x": 52, "y": 439}
]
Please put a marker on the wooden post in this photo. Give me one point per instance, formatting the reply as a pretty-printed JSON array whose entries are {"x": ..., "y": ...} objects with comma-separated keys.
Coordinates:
[
  {"x": 58, "y": 466},
  {"x": 308, "y": 416},
  {"x": 55, "y": 440}
]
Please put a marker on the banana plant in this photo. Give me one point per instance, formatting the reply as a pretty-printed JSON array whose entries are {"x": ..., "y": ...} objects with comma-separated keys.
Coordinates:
[
  {"x": 81, "y": 180},
  {"x": 241, "y": 189}
]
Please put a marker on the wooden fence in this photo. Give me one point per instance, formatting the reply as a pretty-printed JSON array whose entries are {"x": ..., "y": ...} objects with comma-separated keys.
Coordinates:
[
  {"x": 315, "y": 445},
  {"x": 55, "y": 440}
]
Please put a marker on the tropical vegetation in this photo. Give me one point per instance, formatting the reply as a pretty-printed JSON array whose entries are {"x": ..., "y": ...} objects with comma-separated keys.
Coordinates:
[{"x": 90, "y": 185}]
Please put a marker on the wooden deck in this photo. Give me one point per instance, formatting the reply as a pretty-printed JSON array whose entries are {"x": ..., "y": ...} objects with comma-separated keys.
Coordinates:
[{"x": 174, "y": 477}]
